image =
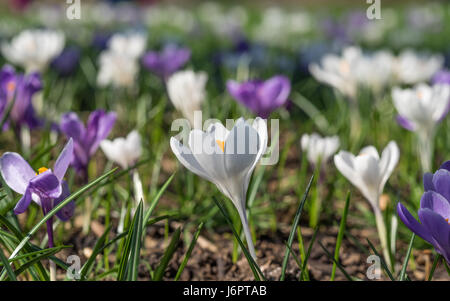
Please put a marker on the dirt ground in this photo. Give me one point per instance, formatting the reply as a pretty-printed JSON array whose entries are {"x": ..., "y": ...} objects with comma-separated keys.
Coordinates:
[{"x": 211, "y": 258}]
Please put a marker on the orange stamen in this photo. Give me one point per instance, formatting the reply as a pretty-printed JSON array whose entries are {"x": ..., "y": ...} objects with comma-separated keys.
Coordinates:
[
  {"x": 41, "y": 170},
  {"x": 11, "y": 86},
  {"x": 221, "y": 144}
]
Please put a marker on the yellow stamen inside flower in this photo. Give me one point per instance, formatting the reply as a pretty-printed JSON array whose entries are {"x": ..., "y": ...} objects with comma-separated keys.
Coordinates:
[
  {"x": 11, "y": 86},
  {"x": 41, "y": 170},
  {"x": 221, "y": 144}
]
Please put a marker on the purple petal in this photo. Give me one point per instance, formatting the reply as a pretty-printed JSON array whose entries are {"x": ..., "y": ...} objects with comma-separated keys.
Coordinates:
[
  {"x": 16, "y": 172},
  {"x": 436, "y": 202},
  {"x": 23, "y": 203},
  {"x": 446, "y": 166},
  {"x": 439, "y": 230},
  {"x": 405, "y": 123},
  {"x": 63, "y": 161},
  {"x": 441, "y": 182},
  {"x": 66, "y": 212},
  {"x": 412, "y": 223},
  {"x": 99, "y": 127},
  {"x": 72, "y": 127},
  {"x": 46, "y": 185},
  {"x": 428, "y": 181},
  {"x": 274, "y": 92}
]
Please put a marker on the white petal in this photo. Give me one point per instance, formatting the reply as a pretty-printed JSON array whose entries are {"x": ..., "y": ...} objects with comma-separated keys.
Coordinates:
[{"x": 389, "y": 159}]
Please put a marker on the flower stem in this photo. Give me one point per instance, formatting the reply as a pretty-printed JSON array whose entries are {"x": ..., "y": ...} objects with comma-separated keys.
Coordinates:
[
  {"x": 248, "y": 235},
  {"x": 138, "y": 191},
  {"x": 382, "y": 234},
  {"x": 51, "y": 244},
  {"x": 425, "y": 144}
]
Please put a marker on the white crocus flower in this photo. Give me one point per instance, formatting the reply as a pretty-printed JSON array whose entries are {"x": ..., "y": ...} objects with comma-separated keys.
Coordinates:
[
  {"x": 420, "y": 109},
  {"x": 227, "y": 159},
  {"x": 34, "y": 49},
  {"x": 318, "y": 148},
  {"x": 186, "y": 90},
  {"x": 369, "y": 173},
  {"x": 412, "y": 68},
  {"x": 338, "y": 71},
  {"x": 116, "y": 69},
  {"x": 130, "y": 45},
  {"x": 374, "y": 71},
  {"x": 126, "y": 151}
]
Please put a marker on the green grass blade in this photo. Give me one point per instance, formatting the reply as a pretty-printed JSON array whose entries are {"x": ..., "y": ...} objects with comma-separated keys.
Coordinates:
[
  {"x": 156, "y": 199},
  {"x": 87, "y": 267},
  {"x": 293, "y": 228},
  {"x": 341, "y": 268},
  {"x": 308, "y": 253},
  {"x": 340, "y": 235},
  {"x": 136, "y": 243},
  {"x": 189, "y": 251},
  {"x": 433, "y": 268},
  {"x": 159, "y": 272},
  {"x": 7, "y": 266},
  {"x": 383, "y": 263},
  {"x": 130, "y": 244},
  {"x": 408, "y": 254}
]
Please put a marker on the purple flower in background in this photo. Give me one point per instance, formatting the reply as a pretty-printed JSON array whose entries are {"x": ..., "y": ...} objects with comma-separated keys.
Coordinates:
[
  {"x": 66, "y": 63},
  {"x": 167, "y": 61},
  {"x": 441, "y": 77},
  {"x": 86, "y": 139},
  {"x": 434, "y": 212},
  {"x": 262, "y": 97},
  {"x": 19, "y": 88},
  {"x": 100, "y": 40}
]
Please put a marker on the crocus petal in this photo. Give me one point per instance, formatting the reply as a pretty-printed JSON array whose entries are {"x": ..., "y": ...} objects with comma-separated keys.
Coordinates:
[
  {"x": 71, "y": 126},
  {"x": 438, "y": 228},
  {"x": 16, "y": 171},
  {"x": 428, "y": 181},
  {"x": 389, "y": 159},
  {"x": 23, "y": 203},
  {"x": 66, "y": 212},
  {"x": 441, "y": 183},
  {"x": 405, "y": 123},
  {"x": 185, "y": 156},
  {"x": 104, "y": 127},
  {"x": 436, "y": 202},
  {"x": 445, "y": 165},
  {"x": 46, "y": 185},
  {"x": 412, "y": 223},
  {"x": 63, "y": 161}
]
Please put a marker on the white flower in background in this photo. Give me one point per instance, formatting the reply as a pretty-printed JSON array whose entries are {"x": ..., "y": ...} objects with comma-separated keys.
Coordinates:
[
  {"x": 420, "y": 109},
  {"x": 124, "y": 151},
  {"x": 412, "y": 68},
  {"x": 186, "y": 90},
  {"x": 338, "y": 71},
  {"x": 116, "y": 69},
  {"x": 375, "y": 71},
  {"x": 369, "y": 173},
  {"x": 318, "y": 148},
  {"x": 227, "y": 159},
  {"x": 34, "y": 49},
  {"x": 131, "y": 45}
]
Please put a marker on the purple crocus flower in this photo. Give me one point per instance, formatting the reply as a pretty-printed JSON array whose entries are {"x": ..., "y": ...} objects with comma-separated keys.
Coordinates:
[
  {"x": 45, "y": 187},
  {"x": 434, "y": 212},
  {"x": 262, "y": 97},
  {"x": 167, "y": 61},
  {"x": 19, "y": 88},
  {"x": 67, "y": 62},
  {"x": 441, "y": 77},
  {"x": 86, "y": 139}
]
